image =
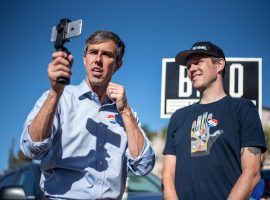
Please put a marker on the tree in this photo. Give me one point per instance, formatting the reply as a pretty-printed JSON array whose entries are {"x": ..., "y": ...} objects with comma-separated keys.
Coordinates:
[
  {"x": 267, "y": 136},
  {"x": 164, "y": 132},
  {"x": 150, "y": 134},
  {"x": 16, "y": 160}
]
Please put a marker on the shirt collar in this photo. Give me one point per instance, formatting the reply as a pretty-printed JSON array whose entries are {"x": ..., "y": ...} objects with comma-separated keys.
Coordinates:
[{"x": 85, "y": 91}]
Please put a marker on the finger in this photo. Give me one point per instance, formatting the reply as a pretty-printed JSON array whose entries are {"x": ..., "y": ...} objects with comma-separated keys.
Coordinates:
[
  {"x": 56, "y": 68},
  {"x": 56, "y": 75},
  {"x": 61, "y": 57},
  {"x": 108, "y": 91},
  {"x": 117, "y": 94},
  {"x": 61, "y": 60},
  {"x": 121, "y": 92},
  {"x": 116, "y": 91},
  {"x": 111, "y": 96},
  {"x": 110, "y": 88},
  {"x": 114, "y": 97},
  {"x": 58, "y": 71},
  {"x": 59, "y": 54},
  {"x": 114, "y": 85},
  {"x": 70, "y": 58}
]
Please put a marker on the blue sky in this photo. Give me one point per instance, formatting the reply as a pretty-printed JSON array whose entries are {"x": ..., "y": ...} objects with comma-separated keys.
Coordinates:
[{"x": 152, "y": 30}]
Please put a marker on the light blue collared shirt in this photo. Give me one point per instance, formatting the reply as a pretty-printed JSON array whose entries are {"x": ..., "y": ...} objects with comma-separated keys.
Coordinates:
[{"x": 86, "y": 156}]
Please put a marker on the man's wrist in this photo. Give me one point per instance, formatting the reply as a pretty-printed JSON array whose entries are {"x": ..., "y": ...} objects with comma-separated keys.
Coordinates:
[
  {"x": 54, "y": 94},
  {"x": 126, "y": 111}
]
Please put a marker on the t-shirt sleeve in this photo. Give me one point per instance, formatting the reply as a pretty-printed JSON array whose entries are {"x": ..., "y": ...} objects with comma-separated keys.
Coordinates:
[
  {"x": 170, "y": 144},
  {"x": 252, "y": 134}
]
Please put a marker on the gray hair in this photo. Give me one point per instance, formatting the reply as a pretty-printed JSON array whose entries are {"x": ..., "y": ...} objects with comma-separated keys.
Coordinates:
[{"x": 102, "y": 36}]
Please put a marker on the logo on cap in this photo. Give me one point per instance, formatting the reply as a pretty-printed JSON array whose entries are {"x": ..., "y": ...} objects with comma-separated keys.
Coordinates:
[{"x": 199, "y": 48}]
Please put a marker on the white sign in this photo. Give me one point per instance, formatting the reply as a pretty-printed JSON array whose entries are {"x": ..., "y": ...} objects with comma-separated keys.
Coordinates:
[{"x": 243, "y": 79}]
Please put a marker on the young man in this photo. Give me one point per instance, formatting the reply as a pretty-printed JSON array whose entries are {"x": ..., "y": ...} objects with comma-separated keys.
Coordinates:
[
  {"x": 87, "y": 135},
  {"x": 213, "y": 148}
]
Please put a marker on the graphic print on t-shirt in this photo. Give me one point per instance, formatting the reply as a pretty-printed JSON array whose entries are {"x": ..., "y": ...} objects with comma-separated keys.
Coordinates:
[{"x": 201, "y": 137}]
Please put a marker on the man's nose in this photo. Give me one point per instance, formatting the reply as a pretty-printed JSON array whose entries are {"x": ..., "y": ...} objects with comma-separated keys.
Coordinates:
[
  {"x": 192, "y": 67},
  {"x": 98, "y": 57}
]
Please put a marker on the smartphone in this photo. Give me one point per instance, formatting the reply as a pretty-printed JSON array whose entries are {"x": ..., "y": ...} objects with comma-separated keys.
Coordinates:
[{"x": 72, "y": 29}]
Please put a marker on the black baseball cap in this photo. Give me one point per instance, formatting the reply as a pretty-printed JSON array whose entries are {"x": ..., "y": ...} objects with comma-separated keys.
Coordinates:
[{"x": 207, "y": 48}]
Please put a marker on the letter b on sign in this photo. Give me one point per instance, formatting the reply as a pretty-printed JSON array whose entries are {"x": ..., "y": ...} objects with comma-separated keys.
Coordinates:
[{"x": 185, "y": 86}]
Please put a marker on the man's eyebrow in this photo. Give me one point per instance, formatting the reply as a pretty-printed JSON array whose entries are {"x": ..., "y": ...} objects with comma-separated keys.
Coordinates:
[
  {"x": 193, "y": 60},
  {"x": 103, "y": 51},
  {"x": 109, "y": 52}
]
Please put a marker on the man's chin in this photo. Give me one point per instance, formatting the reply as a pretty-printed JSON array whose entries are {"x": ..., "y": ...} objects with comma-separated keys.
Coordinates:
[
  {"x": 98, "y": 82},
  {"x": 200, "y": 88},
  {"x": 95, "y": 80}
]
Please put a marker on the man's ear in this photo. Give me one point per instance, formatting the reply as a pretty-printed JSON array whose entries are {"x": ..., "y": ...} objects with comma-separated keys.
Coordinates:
[
  {"x": 117, "y": 65},
  {"x": 221, "y": 65},
  {"x": 84, "y": 60}
]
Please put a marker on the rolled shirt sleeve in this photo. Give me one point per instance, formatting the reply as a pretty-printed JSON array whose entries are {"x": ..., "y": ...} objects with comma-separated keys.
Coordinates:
[
  {"x": 144, "y": 163},
  {"x": 36, "y": 150}
]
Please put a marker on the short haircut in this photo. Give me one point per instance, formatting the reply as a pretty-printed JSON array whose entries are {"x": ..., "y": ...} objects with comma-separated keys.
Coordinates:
[{"x": 215, "y": 60}]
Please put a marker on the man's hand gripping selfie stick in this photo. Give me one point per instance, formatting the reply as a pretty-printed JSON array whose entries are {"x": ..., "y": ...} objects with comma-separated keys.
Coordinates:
[{"x": 60, "y": 34}]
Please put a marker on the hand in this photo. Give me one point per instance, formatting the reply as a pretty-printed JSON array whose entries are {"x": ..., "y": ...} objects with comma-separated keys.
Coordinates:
[
  {"x": 60, "y": 66},
  {"x": 117, "y": 93},
  {"x": 200, "y": 134}
]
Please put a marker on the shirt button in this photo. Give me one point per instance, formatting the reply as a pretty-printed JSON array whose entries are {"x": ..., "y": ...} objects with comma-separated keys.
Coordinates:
[
  {"x": 100, "y": 162},
  {"x": 100, "y": 144}
]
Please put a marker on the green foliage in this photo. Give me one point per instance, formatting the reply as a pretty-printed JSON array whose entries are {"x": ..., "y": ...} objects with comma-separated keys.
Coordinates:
[
  {"x": 18, "y": 160},
  {"x": 150, "y": 134},
  {"x": 164, "y": 132},
  {"x": 267, "y": 137}
]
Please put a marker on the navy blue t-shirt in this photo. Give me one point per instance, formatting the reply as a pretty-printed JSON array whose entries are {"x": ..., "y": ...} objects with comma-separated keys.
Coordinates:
[{"x": 207, "y": 140}]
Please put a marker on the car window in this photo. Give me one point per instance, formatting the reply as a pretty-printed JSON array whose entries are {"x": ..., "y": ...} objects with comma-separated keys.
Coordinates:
[
  {"x": 28, "y": 181},
  {"x": 147, "y": 183},
  {"x": 8, "y": 180}
]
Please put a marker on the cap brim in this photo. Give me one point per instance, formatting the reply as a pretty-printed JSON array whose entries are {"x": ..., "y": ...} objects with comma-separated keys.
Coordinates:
[{"x": 181, "y": 57}]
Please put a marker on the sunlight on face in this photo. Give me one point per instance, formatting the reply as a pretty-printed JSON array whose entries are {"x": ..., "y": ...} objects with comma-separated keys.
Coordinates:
[
  {"x": 100, "y": 63},
  {"x": 201, "y": 71}
]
